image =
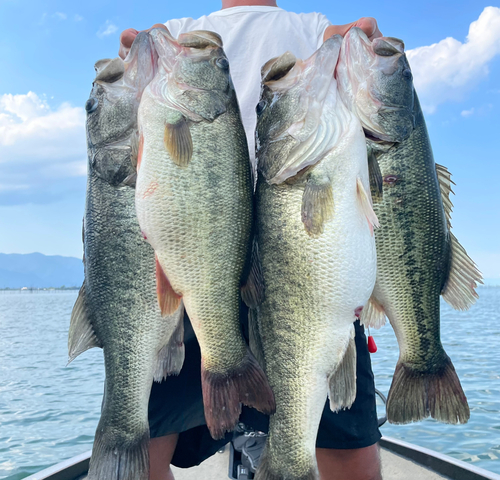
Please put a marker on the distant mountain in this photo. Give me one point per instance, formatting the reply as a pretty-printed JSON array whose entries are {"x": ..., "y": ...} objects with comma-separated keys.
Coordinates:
[{"x": 35, "y": 270}]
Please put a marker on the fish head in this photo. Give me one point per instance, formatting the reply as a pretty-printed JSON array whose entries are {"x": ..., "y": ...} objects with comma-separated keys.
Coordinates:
[
  {"x": 195, "y": 77},
  {"x": 112, "y": 110},
  {"x": 290, "y": 110},
  {"x": 375, "y": 82}
]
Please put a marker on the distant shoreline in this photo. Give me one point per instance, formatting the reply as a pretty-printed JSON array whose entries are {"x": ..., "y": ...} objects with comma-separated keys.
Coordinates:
[{"x": 34, "y": 289}]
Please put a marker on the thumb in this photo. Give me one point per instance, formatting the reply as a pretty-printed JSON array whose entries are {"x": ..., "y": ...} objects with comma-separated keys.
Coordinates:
[
  {"x": 367, "y": 24},
  {"x": 127, "y": 38}
]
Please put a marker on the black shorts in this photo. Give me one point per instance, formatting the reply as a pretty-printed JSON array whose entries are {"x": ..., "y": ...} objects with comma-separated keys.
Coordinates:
[{"x": 176, "y": 406}]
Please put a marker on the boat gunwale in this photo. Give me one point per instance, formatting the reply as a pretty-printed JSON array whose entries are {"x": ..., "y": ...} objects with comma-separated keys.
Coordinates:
[
  {"x": 67, "y": 470},
  {"x": 437, "y": 462}
]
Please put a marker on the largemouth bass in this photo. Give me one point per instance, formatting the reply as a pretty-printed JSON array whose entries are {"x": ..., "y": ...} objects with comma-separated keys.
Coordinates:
[
  {"x": 419, "y": 258},
  {"x": 117, "y": 307},
  {"x": 315, "y": 238},
  {"x": 194, "y": 204}
]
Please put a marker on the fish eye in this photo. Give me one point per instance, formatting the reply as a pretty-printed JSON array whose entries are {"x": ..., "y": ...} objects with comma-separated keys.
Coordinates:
[
  {"x": 407, "y": 74},
  {"x": 91, "y": 104},
  {"x": 261, "y": 106},
  {"x": 222, "y": 63}
]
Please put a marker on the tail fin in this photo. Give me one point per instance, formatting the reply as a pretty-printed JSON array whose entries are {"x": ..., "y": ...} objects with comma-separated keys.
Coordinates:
[
  {"x": 112, "y": 460},
  {"x": 265, "y": 471},
  {"x": 415, "y": 395},
  {"x": 223, "y": 393}
]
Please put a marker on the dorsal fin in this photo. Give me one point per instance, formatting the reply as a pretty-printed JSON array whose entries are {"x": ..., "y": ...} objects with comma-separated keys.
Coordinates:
[
  {"x": 445, "y": 183},
  {"x": 459, "y": 289}
]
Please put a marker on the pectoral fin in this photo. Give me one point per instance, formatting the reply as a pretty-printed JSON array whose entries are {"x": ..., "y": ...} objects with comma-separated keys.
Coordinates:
[
  {"x": 178, "y": 142},
  {"x": 365, "y": 204},
  {"x": 317, "y": 204},
  {"x": 81, "y": 335},
  {"x": 168, "y": 300}
]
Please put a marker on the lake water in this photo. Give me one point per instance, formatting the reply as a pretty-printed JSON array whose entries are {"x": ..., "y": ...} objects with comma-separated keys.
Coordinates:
[{"x": 49, "y": 411}]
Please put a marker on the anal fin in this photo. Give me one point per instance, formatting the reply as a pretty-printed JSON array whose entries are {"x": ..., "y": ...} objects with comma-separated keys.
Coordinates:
[
  {"x": 252, "y": 292},
  {"x": 81, "y": 336},
  {"x": 317, "y": 204},
  {"x": 342, "y": 383},
  {"x": 168, "y": 300},
  {"x": 365, "y": 204},
  {"x": 171, "y": 356},
  {"x": 254, "y": 338},
  {"x": 376, "y": 180}
]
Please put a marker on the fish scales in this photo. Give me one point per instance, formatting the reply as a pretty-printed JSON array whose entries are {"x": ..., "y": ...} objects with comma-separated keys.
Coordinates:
[
  {"x": 419, "y": 259},
  {"x": 194, "y": 204},
  {"x": 205, "y": 258},
  {"x": 117, "y": 307},
  {"x": 414, "y": 236},
  {"x": 316, "y": 273}
]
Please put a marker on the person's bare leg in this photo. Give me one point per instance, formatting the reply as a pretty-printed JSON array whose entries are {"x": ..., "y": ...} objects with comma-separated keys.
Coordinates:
[
  {"x": 161, "y": 451},
  {"x": 355, "y": 464}
]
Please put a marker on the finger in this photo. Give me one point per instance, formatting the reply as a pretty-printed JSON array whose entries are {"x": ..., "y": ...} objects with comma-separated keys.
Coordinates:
[
  {"x": 157, "y": 25},
  {"x": 337, "y": 30},
  {"x": 127, "y": 38},
  {"x": 369, "y": 26}
]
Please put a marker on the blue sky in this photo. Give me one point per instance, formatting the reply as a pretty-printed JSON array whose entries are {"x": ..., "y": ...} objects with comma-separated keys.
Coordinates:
[{"x": 48, "y": 49}]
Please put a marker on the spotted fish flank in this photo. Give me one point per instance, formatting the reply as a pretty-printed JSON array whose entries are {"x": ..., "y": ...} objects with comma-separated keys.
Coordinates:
[
  {"x": 418, "y": 258},
  {"x": 117, "y": 308}
]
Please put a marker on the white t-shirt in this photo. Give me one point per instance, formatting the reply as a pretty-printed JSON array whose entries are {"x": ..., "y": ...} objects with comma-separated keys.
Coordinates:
[{"x": 252, "y": 35}]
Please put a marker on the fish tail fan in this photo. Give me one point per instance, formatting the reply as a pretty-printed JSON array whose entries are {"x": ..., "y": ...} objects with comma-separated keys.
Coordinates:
[
  {"x": 416, "y": 395},
  {"x": 266, "y": 472},
  {"x": 223, "y": 394},
  {"x": 342, "y": 383},
  {"x": 171, "y": 357},
  {"x": 112, "y": 460}
]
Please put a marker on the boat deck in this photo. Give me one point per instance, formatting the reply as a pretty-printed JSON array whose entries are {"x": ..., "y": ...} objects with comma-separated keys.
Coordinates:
[{"x": 394, "y": 467}]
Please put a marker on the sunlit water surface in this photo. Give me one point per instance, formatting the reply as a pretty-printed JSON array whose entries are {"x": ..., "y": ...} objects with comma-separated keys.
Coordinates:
[{"x": 49, "y": 411}]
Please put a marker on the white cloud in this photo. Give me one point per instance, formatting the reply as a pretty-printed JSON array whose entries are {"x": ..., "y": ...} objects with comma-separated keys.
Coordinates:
[
  {"x": 107, "y": 29},
  {"x": 467, "y": 113},
  {"x": 56, "y": 15},
  {"x": 39, "y": 144},
  {"x": 448, "y": 69}
]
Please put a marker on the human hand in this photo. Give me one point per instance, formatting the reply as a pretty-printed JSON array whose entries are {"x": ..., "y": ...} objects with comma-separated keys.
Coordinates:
[
  {"x": 367, "y": 24},
  {"x": 127, "y": 38}
]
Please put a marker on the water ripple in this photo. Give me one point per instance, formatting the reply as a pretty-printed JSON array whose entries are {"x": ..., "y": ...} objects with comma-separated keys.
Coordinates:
[{"x": 49, "y": 411}]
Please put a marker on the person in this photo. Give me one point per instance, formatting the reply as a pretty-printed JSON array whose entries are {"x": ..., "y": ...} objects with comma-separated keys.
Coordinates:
[{"x": 253, "y": 31}]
